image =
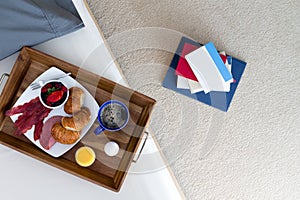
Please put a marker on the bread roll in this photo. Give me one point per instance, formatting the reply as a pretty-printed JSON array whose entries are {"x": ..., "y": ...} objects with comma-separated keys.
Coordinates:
[
  {"x": 75, "y": 100},
  {"x": 64, "y": 136},
  {"x": 78, "y": 121}
]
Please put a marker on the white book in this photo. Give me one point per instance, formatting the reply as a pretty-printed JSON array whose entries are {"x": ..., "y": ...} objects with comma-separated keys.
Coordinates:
[
  {"x": 209, "y": 69},
  {"x": 194, "y": 86},
  {"x": 182, "y": 82},
  {"x": 185, "y": 83}
]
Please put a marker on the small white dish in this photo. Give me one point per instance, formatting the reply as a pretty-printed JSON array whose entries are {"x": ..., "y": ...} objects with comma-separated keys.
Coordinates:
[{"x": 111, "y": 148}]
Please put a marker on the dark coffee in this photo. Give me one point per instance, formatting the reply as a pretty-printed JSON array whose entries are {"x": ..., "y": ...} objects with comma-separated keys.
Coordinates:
[{"x": 113, "y": 116}]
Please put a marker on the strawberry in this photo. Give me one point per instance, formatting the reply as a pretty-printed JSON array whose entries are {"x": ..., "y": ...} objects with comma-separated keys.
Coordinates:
[
  {"x": 49, "y": 85},
  {"x": 57, "y": 85},
  {"x": 55, "y": 96},
  {"x": 44, "y": 89},
  {"x": 64, "y": 89}
]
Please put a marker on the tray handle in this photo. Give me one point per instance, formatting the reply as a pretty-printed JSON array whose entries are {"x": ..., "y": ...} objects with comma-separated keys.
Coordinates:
[
  {"x": 139, "y": 154},
  {"x": 2, "y": 79}
]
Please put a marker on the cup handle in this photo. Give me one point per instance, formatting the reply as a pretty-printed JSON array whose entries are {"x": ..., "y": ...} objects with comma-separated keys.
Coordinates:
[{"x": 99, "y": 130}]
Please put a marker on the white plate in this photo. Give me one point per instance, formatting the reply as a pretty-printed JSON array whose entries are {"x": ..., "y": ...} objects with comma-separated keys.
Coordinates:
[{"x": 58, "y": 149}]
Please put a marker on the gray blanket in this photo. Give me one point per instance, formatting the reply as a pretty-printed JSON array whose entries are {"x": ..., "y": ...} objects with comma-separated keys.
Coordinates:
[{"x": 30, "y": 22}]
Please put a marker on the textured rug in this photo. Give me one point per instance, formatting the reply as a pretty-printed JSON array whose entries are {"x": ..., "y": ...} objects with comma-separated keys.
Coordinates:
[{"x": 253, "y": 150}]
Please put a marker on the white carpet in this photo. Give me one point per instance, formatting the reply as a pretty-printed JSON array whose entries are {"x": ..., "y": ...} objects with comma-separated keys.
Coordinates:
[{"x": 257, "y": 151}]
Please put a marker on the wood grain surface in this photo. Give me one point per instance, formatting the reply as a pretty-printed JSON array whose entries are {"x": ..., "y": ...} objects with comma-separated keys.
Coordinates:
[{"x": 108, "y": 172}]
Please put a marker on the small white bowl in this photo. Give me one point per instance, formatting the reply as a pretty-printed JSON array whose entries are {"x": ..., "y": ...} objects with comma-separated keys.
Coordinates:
[
  {"x": 111, "y": 149},
  {"x": 62, "y": 103}
]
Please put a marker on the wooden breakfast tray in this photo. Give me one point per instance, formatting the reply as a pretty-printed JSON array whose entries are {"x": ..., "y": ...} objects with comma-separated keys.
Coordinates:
[{"x": 108, "y": 172}]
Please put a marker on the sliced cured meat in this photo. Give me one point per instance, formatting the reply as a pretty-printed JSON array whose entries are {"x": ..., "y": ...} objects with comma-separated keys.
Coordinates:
[
  {"x": 38, "y": 130},
  {"x": 33, "y": 113},
  {"x": 46, "y": 139},
  {"x": 26, "y": 121},
  {"x": 22, "y": 108}
]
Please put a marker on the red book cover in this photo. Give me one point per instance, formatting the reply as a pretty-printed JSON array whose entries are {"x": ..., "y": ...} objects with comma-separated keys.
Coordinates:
[{"x": 183, "y": 68}]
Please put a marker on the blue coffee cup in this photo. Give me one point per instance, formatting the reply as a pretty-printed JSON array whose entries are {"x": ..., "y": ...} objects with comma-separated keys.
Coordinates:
[{"x": 113, "y": 115}]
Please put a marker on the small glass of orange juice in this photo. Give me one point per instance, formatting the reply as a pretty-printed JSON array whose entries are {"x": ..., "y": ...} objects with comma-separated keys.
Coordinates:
[{"x": 85, "y": 156}]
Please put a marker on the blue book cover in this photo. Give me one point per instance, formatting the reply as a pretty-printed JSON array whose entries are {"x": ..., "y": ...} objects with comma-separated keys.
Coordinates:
[
  {"x": 218, "y": 61},
  {"x": 219, "y": 100}
]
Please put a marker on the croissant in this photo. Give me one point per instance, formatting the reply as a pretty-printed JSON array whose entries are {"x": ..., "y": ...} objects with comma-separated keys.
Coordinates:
[
  {"x": 62, "y": 135},
  {"x": 75, "y": 100},
  {"x": 78, "y": 121}
]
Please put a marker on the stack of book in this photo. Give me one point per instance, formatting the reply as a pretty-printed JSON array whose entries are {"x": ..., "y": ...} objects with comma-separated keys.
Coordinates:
[
  {"x": 203, "y": 73},
  {"x": 204, "y": 69}
]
